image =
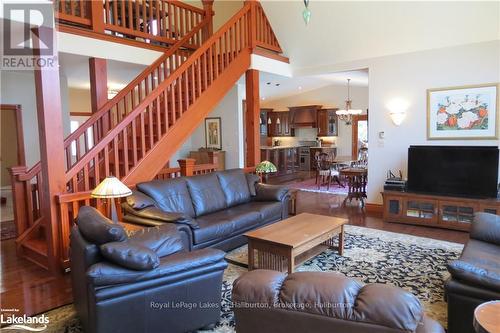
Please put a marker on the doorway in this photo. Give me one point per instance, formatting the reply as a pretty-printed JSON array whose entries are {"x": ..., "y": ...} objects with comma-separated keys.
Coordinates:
[
  {"x": 359, "y": 133},
  {"x": 11, "y": 154}
]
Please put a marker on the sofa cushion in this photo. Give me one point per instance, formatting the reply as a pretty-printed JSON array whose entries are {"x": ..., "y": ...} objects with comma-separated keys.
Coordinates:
[
  {"x": 235, "y": 186},
  {"x": 98, "y": 229},
  {"x": 269, "y": 211},
  {"x": 225, "y": 223},
  {"x": 130, "y": 255},
  {"x": 206, "y": 193},
  {"x": 170, "y": 195},
  {"x": 478, "y": 265}
]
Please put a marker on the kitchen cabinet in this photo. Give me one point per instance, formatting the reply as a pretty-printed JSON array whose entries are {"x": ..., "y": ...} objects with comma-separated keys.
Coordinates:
[
  {"x": 263, "y": 121},
  {"x": 278, "y": 124},
  {"x": 327, "y": 122},
  {"x": 286, "y": 159}
]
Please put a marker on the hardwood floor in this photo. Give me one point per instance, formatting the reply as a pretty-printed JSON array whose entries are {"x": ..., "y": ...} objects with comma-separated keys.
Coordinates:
[
  {"x": 28, "y": 287},
  {"x": 32, "y": 290}
]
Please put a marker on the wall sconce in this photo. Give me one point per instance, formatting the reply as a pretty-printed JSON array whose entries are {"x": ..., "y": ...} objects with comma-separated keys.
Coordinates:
[{"x": 397, "y": 110}]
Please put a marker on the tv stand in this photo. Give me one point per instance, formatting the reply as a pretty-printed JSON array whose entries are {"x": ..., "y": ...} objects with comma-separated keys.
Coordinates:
[{"x": 435, "y": 210}]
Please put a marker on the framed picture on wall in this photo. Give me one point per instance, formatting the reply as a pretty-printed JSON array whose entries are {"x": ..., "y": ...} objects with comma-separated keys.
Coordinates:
[
  {"x": 213, "y": 133},
  {"x": 465, "y": 113}
]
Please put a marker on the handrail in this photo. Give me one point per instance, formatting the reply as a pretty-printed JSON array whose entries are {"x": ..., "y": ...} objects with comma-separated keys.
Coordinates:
[
  {"x": 36, "y": 169},
  {"x": 179, "y": 77},
  {"x": 161, "y": 21}
]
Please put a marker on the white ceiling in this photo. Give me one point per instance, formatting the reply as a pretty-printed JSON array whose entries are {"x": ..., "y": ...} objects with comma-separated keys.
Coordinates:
[
  {"x": 76, "y": 70},
  {"x": 300, "y": 84},
  {"x": 345, "y": 31}
]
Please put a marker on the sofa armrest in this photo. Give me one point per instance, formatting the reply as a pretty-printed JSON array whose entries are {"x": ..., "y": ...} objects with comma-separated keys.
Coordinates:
[
  {"x": 164, "y": 240},
  {"x": 107, "y": 274},
  {"x": 154, "y": 216},
  {"x": 486, "y": 228},
  {"x": 266, "y": 192}
]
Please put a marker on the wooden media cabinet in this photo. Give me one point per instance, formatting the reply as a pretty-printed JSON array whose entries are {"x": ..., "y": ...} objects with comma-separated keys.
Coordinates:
[{"x": 435, "y": 210}]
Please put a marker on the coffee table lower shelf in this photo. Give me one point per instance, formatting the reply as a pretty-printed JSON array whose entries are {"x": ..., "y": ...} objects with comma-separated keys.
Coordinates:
[{"x": 281, "y": 257}]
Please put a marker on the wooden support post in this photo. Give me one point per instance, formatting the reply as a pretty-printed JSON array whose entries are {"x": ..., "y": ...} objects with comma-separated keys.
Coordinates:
[
  {"x": 51, "y": 137},
  {"x": 187, "y": 166},
  {"x": 252, "y": 117},
  {"x": 97, "y": 15},
  {"x": 209, "y": 29},
  {"x": 99, "y": 91}
]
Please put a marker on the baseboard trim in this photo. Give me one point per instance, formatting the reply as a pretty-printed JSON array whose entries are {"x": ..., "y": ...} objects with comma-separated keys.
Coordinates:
[{"x": 374, "y": 209}]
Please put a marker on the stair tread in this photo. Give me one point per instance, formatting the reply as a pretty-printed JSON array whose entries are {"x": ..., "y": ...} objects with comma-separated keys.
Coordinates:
[{"x": 37, "y": 244}]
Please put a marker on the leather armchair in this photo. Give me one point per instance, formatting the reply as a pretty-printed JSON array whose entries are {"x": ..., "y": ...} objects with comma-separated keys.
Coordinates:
[
  {"x": 475, "y": 276},
  {"x": 321, "y": 302},
  {"x": 147, "y": 282}
]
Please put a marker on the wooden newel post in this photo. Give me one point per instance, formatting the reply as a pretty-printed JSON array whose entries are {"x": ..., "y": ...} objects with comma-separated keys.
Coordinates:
[
  {"x": 213, "y": 157},
  {"x": 97, "y": 15},
  {"x": 187, "y": 166},
  {"x": 252, "y": 25},
  {"x": 208, "y": 8},
  {"x": 19, "y": 193}
]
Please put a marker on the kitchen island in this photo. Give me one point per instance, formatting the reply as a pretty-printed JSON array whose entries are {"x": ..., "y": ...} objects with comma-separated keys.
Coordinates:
[{"x": 286, "y": 158}]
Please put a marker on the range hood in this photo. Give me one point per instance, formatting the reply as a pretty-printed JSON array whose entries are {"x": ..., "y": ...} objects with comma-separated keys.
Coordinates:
[{"x": 304, "y": 116}]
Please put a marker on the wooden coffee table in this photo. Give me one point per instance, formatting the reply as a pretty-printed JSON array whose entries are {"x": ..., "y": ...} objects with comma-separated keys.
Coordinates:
[{"x": 282, "y": 245}]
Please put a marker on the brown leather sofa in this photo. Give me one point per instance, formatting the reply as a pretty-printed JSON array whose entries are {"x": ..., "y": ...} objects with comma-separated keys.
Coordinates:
[
  {"x": 144, "y": 283},
  {"x": 475, "y": 276},
  {"x": 212, "y": 210},
  {"x": 321, "y": 302}
]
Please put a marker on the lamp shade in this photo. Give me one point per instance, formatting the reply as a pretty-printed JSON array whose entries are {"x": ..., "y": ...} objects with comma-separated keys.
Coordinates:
[
  {"x": 111, "y": 187},
  {"x": 265, "y": 167}
]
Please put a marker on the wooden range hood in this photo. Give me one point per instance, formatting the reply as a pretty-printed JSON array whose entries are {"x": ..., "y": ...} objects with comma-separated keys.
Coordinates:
[{"x": 304, "y": 116}]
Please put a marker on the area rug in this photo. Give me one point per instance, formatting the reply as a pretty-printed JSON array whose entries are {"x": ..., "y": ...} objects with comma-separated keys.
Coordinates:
[
  {"x": 7, "y": 230},
  {"x": 413, "y": 263},
  {"x": 310, "y": 185}
]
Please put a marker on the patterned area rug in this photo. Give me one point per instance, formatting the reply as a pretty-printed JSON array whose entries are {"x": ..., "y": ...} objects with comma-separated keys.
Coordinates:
[
  {"x": 414, "y": 263},
  {"x": 8, "y": 230},
  {"x": 310, "y": 185}
]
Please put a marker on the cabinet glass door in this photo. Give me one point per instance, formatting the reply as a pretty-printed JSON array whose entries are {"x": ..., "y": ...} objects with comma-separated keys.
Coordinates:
[
  {"x": 421, "y": 210},
  {"x": 460, "y": 214}
]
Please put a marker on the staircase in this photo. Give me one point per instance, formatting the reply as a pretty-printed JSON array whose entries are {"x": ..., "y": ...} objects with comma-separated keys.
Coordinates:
[{"x": 134, "y": 134}]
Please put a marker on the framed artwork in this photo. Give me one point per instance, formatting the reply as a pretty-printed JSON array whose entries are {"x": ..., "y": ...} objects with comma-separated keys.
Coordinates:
[
  {"x": 213, "y": 133},
  {"x": 468, "y": 112}
]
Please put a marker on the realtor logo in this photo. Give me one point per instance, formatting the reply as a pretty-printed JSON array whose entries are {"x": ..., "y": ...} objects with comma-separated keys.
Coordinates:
[{"x": 21, "y": 24}]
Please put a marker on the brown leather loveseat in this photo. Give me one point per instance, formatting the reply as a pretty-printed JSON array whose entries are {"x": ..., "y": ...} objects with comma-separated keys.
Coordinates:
[{"x": 321, "y": 302}]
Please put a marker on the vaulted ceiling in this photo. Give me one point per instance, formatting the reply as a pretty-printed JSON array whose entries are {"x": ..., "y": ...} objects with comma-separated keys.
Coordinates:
[{"x": 341, "y": 31}]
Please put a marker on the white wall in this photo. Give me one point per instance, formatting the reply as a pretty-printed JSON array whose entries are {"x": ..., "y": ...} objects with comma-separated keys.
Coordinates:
[
  {"x": 408, "y": 76},
  {"x": 18, "y": 87},
  {"x": 230, "y": 109},
  {"x": 329, "y": 96}
]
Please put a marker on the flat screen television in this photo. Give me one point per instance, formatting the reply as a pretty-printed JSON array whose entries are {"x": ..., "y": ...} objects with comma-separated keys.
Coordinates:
[{"x": 466, "y": 171}]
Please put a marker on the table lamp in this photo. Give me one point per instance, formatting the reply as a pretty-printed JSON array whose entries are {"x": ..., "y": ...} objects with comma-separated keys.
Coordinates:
[
  {"x": 265, "y": 167},
  {"x": 111, "y": 188}
]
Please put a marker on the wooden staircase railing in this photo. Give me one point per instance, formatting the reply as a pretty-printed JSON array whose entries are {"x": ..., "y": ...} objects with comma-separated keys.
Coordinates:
[
  {"x": 136, "y": 135},
  {"x": 161, "y": 22}
]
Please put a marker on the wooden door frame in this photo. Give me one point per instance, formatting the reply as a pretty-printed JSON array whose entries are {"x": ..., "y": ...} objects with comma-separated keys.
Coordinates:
[
  {"x": 21, "y": 156},
  {"x": 355, "y": 120}
]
